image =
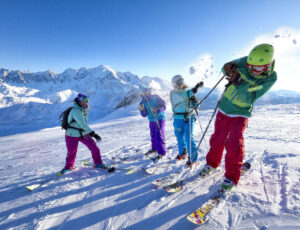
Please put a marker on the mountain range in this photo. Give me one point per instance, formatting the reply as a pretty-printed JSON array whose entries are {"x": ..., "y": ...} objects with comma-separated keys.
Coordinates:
[{"x": 31, "y": 101}]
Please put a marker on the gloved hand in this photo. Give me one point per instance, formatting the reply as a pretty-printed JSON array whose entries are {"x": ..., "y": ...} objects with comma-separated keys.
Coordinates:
[
  {"x": 231, "y": 71},
  {"x": 95, "y": 135},
  {"x": 141, "y": 107},
  {"x": 154, "y": 110},
  {"x": 197, "y": 86}
]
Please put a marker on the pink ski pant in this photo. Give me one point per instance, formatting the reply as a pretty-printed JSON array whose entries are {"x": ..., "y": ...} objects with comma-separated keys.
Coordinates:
[
  {"x": 72, "y": 146},
  {"x": 228, "y": 134}
]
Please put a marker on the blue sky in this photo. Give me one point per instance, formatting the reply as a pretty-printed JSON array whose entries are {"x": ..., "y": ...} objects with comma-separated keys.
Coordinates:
[{"x": 155, "y": 37}]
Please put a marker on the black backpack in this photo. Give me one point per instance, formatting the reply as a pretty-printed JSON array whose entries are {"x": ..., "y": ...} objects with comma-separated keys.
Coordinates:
[{"x": 64, "y": 118}]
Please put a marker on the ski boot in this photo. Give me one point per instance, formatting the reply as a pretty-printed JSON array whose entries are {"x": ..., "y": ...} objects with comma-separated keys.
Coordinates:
[
  {"x": 64, "y": 171},
  {"x": 227, "y": 184},
  {"x": 157, "y": 158},
  {"x": 150, "y": 151},
  {"x": 183, "y": 156},
  {"x": 190, "y": 164},
  {"x": 101, "y": 166},
  {"x": 207, "y": 169}
]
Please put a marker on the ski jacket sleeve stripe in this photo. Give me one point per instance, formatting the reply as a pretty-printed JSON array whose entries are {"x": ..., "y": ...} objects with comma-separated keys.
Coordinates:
[{"x": 261, "y": 89}]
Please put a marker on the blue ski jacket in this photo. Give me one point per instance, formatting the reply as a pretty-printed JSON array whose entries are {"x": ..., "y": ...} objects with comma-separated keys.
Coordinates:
[{"x": 154, "y": 107}]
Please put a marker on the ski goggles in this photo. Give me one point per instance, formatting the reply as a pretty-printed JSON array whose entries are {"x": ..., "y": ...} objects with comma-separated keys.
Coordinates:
[
  {"x": 84, "y": 99},
  {"x": 258, "y": 68}
]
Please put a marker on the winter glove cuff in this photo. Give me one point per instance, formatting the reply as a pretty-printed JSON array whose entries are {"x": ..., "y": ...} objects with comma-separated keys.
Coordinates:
[
  {"x": 97, "y": 137},
  {"x": 92, "y": 133},
  {"x": 141, "y": 107},
  {"x": 231, "y": 71},
  {"x": 197, "y": 86}
]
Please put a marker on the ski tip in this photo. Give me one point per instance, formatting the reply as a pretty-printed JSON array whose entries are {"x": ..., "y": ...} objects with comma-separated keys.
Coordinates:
[
  {"x": 131, "y": 171},
  {"x": 198, "y": 221},
  {"x": 173, "y": 189},
  {"x": 32, "y": 187}
]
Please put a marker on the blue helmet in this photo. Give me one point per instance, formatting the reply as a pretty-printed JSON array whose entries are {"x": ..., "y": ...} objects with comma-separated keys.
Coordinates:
[
  {"x": 177, "y": 80},
  {"x": 82, "y": 97}
]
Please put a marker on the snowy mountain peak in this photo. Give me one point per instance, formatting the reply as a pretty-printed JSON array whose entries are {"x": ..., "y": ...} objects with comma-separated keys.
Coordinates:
[{"x": 39, "y": 98}]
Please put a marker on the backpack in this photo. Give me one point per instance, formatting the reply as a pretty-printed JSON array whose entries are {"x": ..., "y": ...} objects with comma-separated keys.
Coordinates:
[{"x": 64, "y": 118}]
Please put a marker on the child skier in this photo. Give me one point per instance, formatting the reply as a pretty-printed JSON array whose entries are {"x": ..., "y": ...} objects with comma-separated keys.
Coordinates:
[
  {"x": 153, "y": 106},
  {"x": 79, "y": 131},
  {"x": 249, "y": 78},
  {"x": 182, "y": 99}
]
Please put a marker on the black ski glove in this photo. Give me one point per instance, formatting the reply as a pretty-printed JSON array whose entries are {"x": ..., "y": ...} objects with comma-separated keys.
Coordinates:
[
  {"x": 95, "y": 135},
  {"x": 231, "y": 71},
  {"x": 232, "y": 74},
  {"x": 197, "y": 86}
]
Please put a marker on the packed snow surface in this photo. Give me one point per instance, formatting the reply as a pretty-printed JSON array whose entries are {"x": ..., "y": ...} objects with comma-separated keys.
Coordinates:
[{"x": 88, "y": 198}]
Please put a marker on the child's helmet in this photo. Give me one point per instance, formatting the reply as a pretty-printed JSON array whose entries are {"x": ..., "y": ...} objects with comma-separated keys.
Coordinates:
[
  {"x": 177, "y": 80},
  {"x": 146, "y": 91},
  {"x": 261, "y": 55},
  {"x": 82, "y": 97}
]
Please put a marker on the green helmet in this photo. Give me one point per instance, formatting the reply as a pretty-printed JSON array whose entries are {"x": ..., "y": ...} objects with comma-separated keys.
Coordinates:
[{"x": 261, "y": 55}]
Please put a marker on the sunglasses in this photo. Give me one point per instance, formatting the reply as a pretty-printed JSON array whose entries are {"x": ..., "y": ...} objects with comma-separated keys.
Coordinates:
[
  {"x": 258, "y": 68},
  {"x": 85, "y": 100}
]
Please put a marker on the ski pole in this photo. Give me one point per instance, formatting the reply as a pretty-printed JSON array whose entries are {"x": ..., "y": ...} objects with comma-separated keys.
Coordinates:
[
  {"x": 209, "y": 122},
  {"x": 154, "y": 115},
  {"x": 199, "y": 103},
  {"x": 211, "y": 90},
  {"x": 201, "y": 130}
]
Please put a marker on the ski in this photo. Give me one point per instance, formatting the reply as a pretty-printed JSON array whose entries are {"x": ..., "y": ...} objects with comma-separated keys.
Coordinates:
[
  {"x": 151, "y": 154},
  {"x": 200, "y": 215},
  {"x": 61, "y": 173},
  {"x": 170, "y": 179},
  {"x": 179, "y": 185},
  {"x": 108, "y": 169},
  {"x": 37, "y": 185},
  {"x": 156, "y": 168},
  {"x": 160, "y": 166}
]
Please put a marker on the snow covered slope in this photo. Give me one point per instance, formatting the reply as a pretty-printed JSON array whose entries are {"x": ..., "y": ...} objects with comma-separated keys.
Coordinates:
[{"x": 266, "y": 198}]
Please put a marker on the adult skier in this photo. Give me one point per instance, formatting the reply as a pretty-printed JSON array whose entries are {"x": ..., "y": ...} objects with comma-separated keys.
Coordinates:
[
  {"x": 249, "y": 78},
  {"x": 79, "y": 131},
  {"x": 153, "y": 106},
  {"x": 182, "y": 100}
]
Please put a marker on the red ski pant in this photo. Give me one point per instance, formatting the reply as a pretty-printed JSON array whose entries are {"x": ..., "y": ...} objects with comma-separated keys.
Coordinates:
[
  {"x": 72, "y": 146},
  {"x": 228, "y": 134}
]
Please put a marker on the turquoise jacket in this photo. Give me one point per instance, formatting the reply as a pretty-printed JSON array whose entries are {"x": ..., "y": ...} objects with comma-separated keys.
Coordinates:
[
  {"x": 79, "y": 119},
  {"x": 180, "y": 102},
  {"x": 239, "y": 99}
]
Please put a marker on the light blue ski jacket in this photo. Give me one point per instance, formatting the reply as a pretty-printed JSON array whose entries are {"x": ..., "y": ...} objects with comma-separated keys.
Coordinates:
[
  {"x": 180, "y": 102},
  {"x": 79, "y": 119}
]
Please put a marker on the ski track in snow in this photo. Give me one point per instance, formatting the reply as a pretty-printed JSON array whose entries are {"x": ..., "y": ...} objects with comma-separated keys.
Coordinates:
[{"x": 267, "y": 197}]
